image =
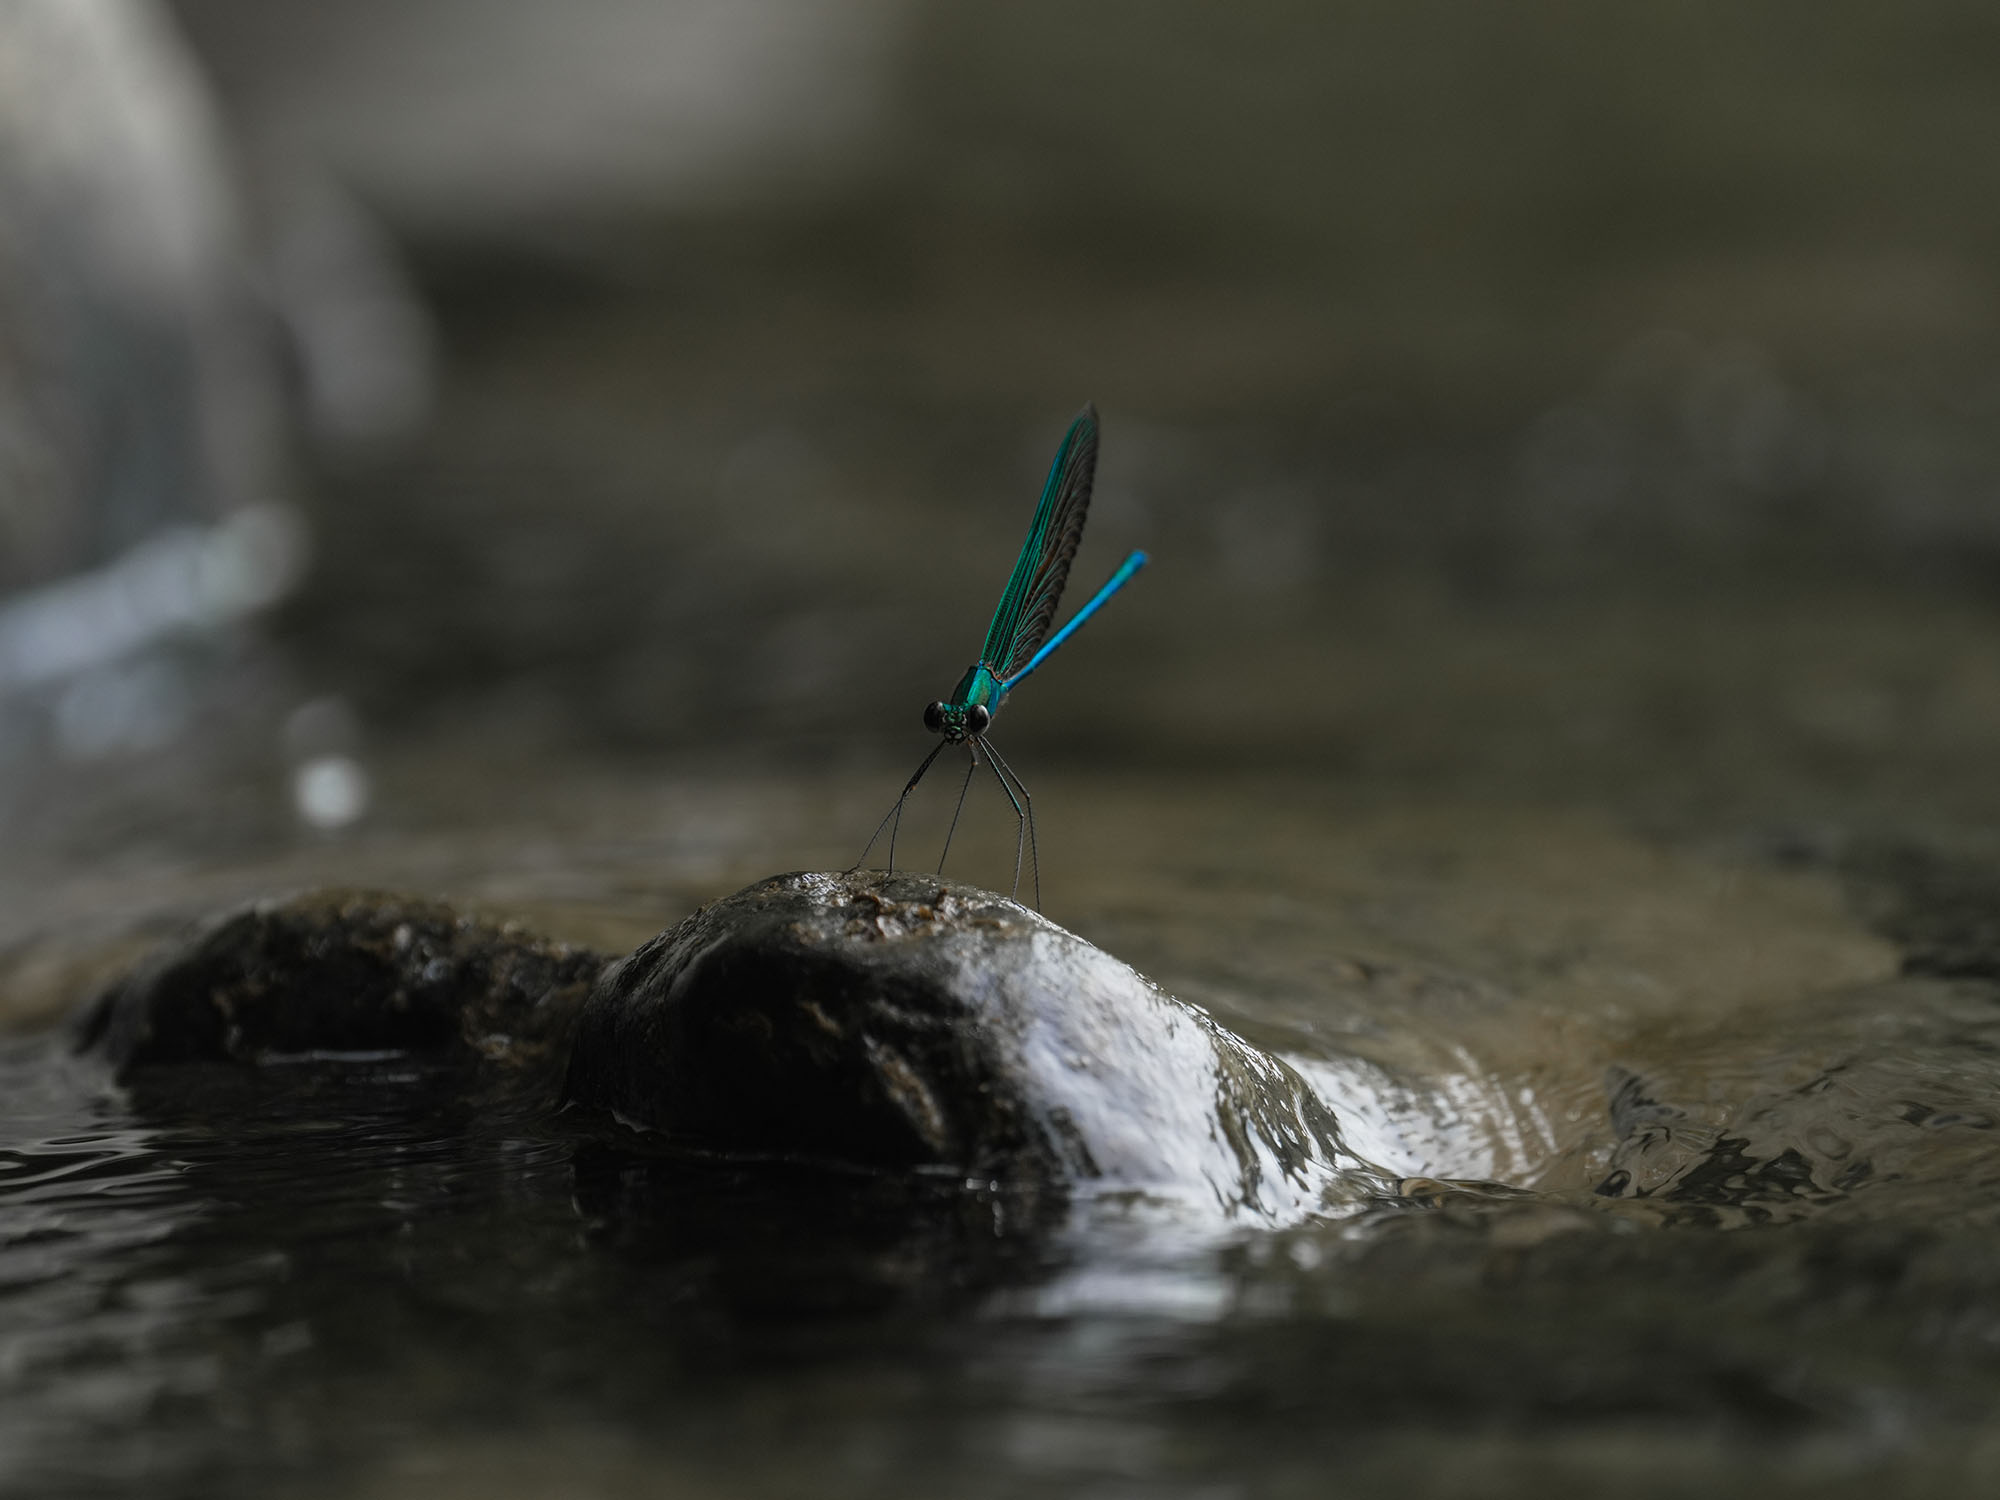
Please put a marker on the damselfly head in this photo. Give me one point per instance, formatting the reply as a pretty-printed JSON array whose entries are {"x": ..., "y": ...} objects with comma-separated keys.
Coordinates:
[{"x": 957, "y": 722}]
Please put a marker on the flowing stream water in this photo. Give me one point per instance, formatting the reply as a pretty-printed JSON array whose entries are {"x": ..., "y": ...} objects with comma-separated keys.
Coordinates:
[{"x": 1699, "y": 1186}]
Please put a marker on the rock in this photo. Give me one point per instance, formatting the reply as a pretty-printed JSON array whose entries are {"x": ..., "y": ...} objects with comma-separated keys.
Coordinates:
[
  {"x": 897, "y": 1022},
  {"x": 886, "y": 1022},
  {"x": 344, "y": 973}
]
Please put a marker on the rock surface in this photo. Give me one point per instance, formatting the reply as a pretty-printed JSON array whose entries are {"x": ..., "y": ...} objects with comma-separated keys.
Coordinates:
[
  {"x": 341, "y": 973},
  {"x": 886, "y": 1022},
  {"x": 895, "y": 1021}
]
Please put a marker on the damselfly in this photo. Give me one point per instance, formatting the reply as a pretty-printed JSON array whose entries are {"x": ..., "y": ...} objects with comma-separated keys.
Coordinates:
[{"x": 1015, "y": 646}]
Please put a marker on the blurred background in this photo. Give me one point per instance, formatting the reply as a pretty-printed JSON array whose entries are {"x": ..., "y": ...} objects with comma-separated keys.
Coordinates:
[
  {"x": 547, "y": 455},
  {"x": 411, "y": 411}
]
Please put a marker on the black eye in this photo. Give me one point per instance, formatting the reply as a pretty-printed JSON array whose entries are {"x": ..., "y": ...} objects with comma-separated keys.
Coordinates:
[
  {"x": 977, "y": 718},
  {"x": 934, "y": 717}
]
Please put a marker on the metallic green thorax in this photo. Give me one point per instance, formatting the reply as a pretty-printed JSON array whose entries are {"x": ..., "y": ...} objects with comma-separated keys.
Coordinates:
[{"x": 978, "y": 685}]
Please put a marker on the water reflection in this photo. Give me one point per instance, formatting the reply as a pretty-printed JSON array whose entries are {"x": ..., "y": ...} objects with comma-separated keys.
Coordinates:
[{"x": 100, "y": 1326}]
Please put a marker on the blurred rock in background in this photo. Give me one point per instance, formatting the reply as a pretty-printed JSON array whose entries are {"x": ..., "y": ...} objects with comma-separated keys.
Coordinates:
[
  {"x": 133, "y": 394},
  {"x": 163, "y": 334},
  {"x": 144, "y": 513}
]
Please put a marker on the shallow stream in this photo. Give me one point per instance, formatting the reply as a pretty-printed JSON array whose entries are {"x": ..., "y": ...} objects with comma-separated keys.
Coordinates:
[{"x": 1699, "y": 1188}]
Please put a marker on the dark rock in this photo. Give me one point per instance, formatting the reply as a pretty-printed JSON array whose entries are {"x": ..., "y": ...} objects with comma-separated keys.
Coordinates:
[
  {"x": 1942, "y": 909},
  {"x": 345, "y": 972},
  {"x": 866, "y": 1020},
  {"x": 893, "y": 1021}
]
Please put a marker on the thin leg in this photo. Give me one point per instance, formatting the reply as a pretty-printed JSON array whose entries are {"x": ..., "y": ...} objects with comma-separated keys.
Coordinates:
[
  {"x": 1024, "y": 814},
  {"x": 896, "y": 813},
  {"x": 1020, "y": 826},
  {"x": 963, "y": 788}
]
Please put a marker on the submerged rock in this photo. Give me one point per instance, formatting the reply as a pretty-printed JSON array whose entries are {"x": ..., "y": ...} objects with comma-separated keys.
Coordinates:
[{"x": 865, "y": 1020}]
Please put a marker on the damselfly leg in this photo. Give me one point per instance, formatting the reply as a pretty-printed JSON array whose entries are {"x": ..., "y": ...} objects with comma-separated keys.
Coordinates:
[
  {"x": 893, "y": 818},
  {"x": 963, "y": 787},
  {"x": 1024, "y": 820}
]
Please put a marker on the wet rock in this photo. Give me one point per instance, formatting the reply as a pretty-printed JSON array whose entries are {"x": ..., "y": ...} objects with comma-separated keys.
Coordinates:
[
  {"x": 345, "y": 973},
  {"x": 866, "y": 1020},
  {"x": 894, "y": 1021}
]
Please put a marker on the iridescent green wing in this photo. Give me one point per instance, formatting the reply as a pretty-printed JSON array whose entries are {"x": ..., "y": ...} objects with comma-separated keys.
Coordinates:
[{"x": 1028, "y": 606}]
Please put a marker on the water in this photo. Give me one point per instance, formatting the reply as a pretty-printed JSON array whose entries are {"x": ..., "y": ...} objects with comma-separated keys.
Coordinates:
[{"x": 358, "y": 1280}]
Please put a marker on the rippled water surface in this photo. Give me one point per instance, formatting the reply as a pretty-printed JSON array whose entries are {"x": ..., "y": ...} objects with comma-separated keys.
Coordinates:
[{"x": 1700, "y": 1188}]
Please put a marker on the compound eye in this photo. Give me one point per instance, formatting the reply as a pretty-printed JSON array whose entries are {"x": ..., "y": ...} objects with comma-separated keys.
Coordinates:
[
  {"x": 977, "y": 718},
  {"x": 934, "y": 717}
]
